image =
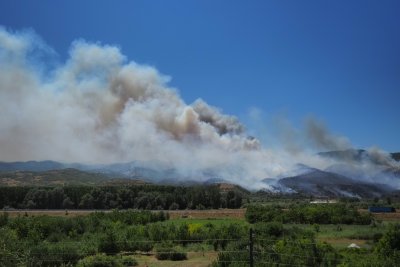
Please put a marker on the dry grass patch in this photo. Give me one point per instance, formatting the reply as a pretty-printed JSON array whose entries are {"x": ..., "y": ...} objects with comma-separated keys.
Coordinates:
[{"x": 195, "y": 259}]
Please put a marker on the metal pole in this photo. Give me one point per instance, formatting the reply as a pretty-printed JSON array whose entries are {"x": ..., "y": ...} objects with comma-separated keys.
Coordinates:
[{"x": 251, "y": 248}]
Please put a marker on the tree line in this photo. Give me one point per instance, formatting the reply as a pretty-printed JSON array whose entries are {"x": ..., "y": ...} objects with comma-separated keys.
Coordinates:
[
  {"x": 339, "y": 213},
  {"x": 150, "y": 197}
]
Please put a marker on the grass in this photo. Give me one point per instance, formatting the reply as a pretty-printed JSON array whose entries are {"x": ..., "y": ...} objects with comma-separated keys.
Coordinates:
[
  {"x": 195, "y": 259},
  {"x": 215, "y": 221},
  {"x": 344, "y": 235},
  {"x": 208, "y": 214}
]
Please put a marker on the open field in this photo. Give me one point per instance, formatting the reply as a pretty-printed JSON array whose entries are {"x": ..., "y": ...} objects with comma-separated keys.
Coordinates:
[
  {"x": 393, "y": 216},
  {"x": 173, "y": 214},
  {"x": 208, "y": 214},
  {"x": 69, "y": 213},
  {"x": 343, "y": 235}
]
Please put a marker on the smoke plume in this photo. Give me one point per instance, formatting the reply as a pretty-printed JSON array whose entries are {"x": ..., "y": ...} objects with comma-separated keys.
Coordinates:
[
  {"x": 99, "y": 107},
  {"x": 320, "y": 137}
]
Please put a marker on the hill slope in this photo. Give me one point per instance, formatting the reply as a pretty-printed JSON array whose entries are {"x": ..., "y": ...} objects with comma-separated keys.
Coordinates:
[
  {"x": 328, "y": 184},
  {"x": 51, "y": 178}
]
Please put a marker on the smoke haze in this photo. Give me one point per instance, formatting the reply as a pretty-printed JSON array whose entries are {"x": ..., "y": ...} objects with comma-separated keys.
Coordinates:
[{"x": 98, "y": 107}]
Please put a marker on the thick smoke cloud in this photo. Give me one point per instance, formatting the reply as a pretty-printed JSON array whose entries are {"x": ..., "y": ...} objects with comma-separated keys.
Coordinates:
[
  {"x": 98, "y": 107},
  {"x": 320, "y": 137}
]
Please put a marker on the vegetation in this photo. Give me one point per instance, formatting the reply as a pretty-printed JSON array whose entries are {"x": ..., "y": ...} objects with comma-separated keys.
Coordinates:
[
  {"x": 309, "y": 214},
  {"x": 286, "y": 232},
  {"x": 147, "y": 197},
  {"x": 100, "y": 237},
  {"x": 116, "y": 238}
]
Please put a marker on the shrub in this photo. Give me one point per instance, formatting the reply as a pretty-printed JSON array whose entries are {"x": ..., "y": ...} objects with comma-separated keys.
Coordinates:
[
  {"x": 109, "y": 244},
  {"x": 49, "y": 254},
  {"x": 259, "y": 213},
  {"x": 100, "y": 260},
  {"x": 166, "y": 252}
]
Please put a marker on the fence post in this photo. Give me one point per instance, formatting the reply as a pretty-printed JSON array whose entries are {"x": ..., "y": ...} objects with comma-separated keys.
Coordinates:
[{"x": 251, "y": 248}]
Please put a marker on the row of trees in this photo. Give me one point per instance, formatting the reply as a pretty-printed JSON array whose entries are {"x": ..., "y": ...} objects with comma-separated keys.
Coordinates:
[
  {"x": 111, "y": 197},
  {"x": 308, "y": 214}
]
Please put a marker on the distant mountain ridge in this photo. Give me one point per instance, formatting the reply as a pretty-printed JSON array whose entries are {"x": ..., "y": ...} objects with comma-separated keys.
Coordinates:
[
  {"x": 51, "y": 178},
  {"x": 31, "y": 166},
  {"x": 356, "y": 173},
  {"x": 347, "y": 176},
  {"x": 328, "y": 184}
]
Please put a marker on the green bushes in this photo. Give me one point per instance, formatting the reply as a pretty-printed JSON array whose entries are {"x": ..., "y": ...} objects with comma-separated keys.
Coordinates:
[
  {"x": 308, "y": 213},
  {"x": 275, "y": 247},
  {"x": 272, "y": 229},
  {"x": 53, "y": 254},
  {"x": 260, "y": 213},
  {"x": 56, "y": 241},
  {"x": 109, "y": 243},
  {"x": 389, "y": 244},
  {"x": 102, "y": 260},
  {"x": 166, "y": 251},
  {"x": 10, "y": 250}
]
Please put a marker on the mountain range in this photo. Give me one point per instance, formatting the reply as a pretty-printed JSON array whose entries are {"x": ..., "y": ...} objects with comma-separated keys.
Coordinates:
[{"x": 353, "y": 173}]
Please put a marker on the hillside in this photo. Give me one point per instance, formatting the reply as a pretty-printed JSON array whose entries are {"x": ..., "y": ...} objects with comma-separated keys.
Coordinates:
[
  {"x": 51, "y": 178},
  {"x": 30, "y": 166},
  {"x": 328, "y": 184}
]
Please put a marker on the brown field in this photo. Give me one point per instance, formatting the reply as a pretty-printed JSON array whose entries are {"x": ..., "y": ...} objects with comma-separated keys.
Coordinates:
[
  {"x": 174, "y": 214},
  {"x": 390, "y": 216},
  {"x": 393, "y": 216},
  {"x": 72, "y": 213}
]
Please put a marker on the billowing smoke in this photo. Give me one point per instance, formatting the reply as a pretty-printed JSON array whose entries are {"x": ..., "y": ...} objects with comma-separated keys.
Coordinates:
[
  {"x": 319, "y": 135},
  {"x": 98, "y": 107}
]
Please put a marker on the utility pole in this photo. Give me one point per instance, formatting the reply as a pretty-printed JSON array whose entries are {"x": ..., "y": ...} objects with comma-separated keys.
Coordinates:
[{"x": 251, "y": 256}]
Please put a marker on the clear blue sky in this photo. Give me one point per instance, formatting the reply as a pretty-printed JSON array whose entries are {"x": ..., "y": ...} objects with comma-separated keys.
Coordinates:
[{"x": 336, "y": 60}]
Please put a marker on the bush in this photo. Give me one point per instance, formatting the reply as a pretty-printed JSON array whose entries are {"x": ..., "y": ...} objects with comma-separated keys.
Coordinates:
[
  {"x": 109, "y": 244},
  {"x": 128, "y": 261},
  {"x": 259, "y": 213},
  {"x": 57, "y": 254},
  {"x": 265, "y": 230},
  {"x": 100, "y": 260},
  {"x": 309, "y": 214},
  {"x": 168, "y": 253}
]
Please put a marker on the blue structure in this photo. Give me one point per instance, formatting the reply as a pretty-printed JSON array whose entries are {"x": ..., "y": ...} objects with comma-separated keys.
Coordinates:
[{"x": 381, "y": 209}]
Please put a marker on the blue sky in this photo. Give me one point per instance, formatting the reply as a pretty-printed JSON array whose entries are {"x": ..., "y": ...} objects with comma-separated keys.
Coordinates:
[{"x": 338, "y": 61}]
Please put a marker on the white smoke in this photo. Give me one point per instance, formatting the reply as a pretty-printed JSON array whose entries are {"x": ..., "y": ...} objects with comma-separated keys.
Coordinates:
[{"x": 98, "y": 107}]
